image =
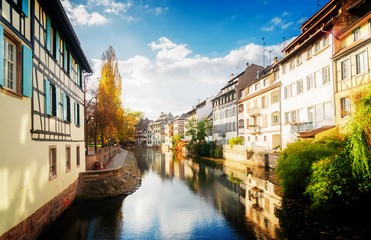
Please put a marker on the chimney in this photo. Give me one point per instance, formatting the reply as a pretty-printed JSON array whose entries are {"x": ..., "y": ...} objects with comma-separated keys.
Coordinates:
[
  {"x": 162, "y": 113},
  {"x": 275, "y": 60},
  {"x": 232, "y": 75},
  {"x": 198, "y": 100},
  {"x": 247, "y": 65}
]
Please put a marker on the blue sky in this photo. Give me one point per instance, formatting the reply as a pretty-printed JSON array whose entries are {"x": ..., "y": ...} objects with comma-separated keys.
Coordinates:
[{"x": 173, "y": 52}]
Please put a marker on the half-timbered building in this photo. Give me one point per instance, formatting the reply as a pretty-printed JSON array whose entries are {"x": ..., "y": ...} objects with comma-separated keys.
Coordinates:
[{"x": 42, "y": 111}]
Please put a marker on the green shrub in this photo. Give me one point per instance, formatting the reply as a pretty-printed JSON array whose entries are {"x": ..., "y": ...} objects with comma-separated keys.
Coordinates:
[
  {"x": 295, "y": 164},
  {"x": 204, "y": 148},
  {"x": 219, "y": 152},
  {"x": 235, "y": 141}
]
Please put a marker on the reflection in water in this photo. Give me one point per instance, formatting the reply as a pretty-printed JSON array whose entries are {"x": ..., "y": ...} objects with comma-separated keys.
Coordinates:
[{"x": 181, "y": 199}]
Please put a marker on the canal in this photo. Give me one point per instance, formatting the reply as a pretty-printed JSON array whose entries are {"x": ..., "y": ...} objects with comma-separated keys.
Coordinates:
[{"x": 199, "y": 199}]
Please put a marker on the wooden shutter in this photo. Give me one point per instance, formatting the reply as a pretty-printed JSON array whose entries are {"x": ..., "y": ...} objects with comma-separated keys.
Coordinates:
[
  {"x": 70, "y": 61},
  {"x": 25, "y": 7},
  {"x": 57, "y": 102},
  {"x": 264, "y": 120},
  {"x": 1, "y": 55},
  {"x": 64, "y": 107},
  {"x": 78, "y": 75},
  {"x": 47, "y": 96},
  {"x": 75, "y": 116},
  {"x": 57, "y": 46},
  {"x": 48, "y": 33},
  {"x": 27, "y": 71}
]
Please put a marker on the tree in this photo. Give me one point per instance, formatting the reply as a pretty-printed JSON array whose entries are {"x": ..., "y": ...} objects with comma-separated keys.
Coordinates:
[
  {"x": 197, "y": 129},
  {"x": 109, "y": 108}
]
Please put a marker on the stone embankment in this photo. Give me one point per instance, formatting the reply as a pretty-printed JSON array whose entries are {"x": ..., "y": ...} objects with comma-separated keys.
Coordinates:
[{"x": 120, "y": 176}]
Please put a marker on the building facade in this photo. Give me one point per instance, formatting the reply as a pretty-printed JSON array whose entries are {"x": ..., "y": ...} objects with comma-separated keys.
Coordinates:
[
  {"x": 224, "y": 104},
  {"x": 158, "y": 129},
  {"x": 306, "y": 71},
  {"x": 352, "y": 62},
  {"x": 42, "y": 96},
  {"x": 259, "y": 112}
]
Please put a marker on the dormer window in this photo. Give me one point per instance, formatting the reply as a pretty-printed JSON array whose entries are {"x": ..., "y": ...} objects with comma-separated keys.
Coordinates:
[{"x": 356, "y": 34}]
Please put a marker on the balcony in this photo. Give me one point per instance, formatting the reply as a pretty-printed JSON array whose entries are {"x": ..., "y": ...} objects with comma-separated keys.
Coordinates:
[
  {"x": 255, "y": 111},
  {"x": 302, "y": 127},
  {"x": 254, "y": 129}
]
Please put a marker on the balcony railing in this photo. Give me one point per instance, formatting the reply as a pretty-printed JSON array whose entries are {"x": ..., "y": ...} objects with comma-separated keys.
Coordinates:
[
  {"x": 253, "y": 111},
  {"x": 302, "y": 127},
  {"x": 254, "y": 129}
]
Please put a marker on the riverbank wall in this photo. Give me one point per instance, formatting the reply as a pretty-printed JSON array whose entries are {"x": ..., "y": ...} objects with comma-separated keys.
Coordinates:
[
  {"x": 120, "y": 177},
  {"x": 239, "y": 153}
]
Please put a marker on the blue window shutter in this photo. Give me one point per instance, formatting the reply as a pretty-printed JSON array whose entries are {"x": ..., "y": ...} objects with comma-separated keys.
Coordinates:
[
  {"x": 57, "y": 46},
  {"x": 1, "y": 55},
  {"x": 78, "y": 75},
  {"x": 25, "y": 7},
  {"x": 64, "y": 107},
  {"x": 75, "y": 119},
  {"x": 70, "y": 59},
  {"x": 47, "y": 96},
  {"x": 57, "y": 102},
  {"x": 48, "y": 33},
  {"x": 27, "y": 71},
  {"x": 65, "y": 56}
]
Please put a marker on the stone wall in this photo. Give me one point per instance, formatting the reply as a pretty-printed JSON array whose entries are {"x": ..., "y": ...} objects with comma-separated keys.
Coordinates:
[
  {"x": 239, "y": 153},
  {"x": 110, "y": 182},
  {"x": 103, "y": 156},
  {"x": 31, "y": 227}
]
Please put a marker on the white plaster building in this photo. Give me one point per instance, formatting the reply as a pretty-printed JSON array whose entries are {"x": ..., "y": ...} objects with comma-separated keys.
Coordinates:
[{"x": 307, "y": 91}]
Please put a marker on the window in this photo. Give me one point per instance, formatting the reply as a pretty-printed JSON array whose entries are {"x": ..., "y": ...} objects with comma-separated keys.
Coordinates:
[
  {"x": 265, "y": 138},
  {"x": 234, "y": 111},
  {"x": 276, "y": 75},
  {"x": 310, "y": 82},
  {"x": 78, "y": 156},
  {"x": 286, "y": 92},
  {"x": 293, "y": 116},
  {"x": 316, "y": 47},
  {"x": 257, "y": 86},
  {"x": 310, "y": 114},
  {"x": 345, "y": 107},
  {"x": 356, "y": 34},
  {"x": 53, "y": 100},
  {"x": 68, "y": 158},
  {"x": 345, "y": 69},
  {"x": 52, "y": 162},
  {"x": 68, "y": 107},
  {"x": 241, "y": 123},
  {"x": 299, "y": 86},
  {"x": 77, "y": 114},
  {"x": 298, "y": 59},
  {"x": 265, "y": 82},
  {"x": 10, "y": 79},
  {"x": 275, "y": 118},
  {"x": 292, "y": 64},
  {"x": 240, "y": 108},
  {"x": 287, "y": 117},
  {"x": 328, "y": 110},
  {"x": 284, "y": 70},
  {"x": 274, "y": 97},
  {"x": 309, "y": 53},
  {"x": 325, "y": 41},
  {"x": 325, "y": 75},
  {"x": 361, "y": 61},
  {"x": 264, "y": 102},
  {"x": 68, "y": 56}
]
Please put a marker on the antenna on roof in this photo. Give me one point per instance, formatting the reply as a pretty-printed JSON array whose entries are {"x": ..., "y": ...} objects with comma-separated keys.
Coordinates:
[
  {"x": 270, "y": 59},
  {"x": 318, "y": 5},
  {"x": 263, "y": 51}
]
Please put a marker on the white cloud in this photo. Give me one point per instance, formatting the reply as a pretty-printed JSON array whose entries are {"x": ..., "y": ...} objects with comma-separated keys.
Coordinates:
[
  {"x": 277, "y": 22},
  {"x": 175, "y": 78},
  {"x": 80, "y": 16}
]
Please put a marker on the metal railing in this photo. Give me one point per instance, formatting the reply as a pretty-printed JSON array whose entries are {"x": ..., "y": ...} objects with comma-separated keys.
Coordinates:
[
  {"x": 302, "y": 127},
  {"x": 253, "y": 111}
]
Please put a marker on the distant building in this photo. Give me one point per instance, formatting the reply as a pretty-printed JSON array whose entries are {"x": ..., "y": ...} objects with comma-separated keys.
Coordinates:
[
  {"x": 158, "y": 128},
  {"x": 179, "y": 122},
  {"x": 142, "y": 131},
  {"x": 224, "y": 104},
  {"x": 259, "y": 112}
]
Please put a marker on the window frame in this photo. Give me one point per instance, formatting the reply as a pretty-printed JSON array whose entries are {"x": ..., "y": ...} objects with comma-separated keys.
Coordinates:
[
  {"x": 343, "y": 105},
  {"x": 324, "y": 74},
  {"x": 364, "y": 61},
  {"x": 68, "y": 158},
  {"x": 346, "y": 63},
  {"x": 356, "y": 34},
  {"x": 299, "y": 85},
  {"x": 18, "y": 64},
  {"x": 53, "y": 162}
]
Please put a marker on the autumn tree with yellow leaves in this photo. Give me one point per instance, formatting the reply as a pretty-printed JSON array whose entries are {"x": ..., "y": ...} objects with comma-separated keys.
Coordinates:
[{"x": 108, "y": 118}]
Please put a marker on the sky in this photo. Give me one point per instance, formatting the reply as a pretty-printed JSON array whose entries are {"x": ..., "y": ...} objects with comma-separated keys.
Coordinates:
[{"x": 172, "y": 53}]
